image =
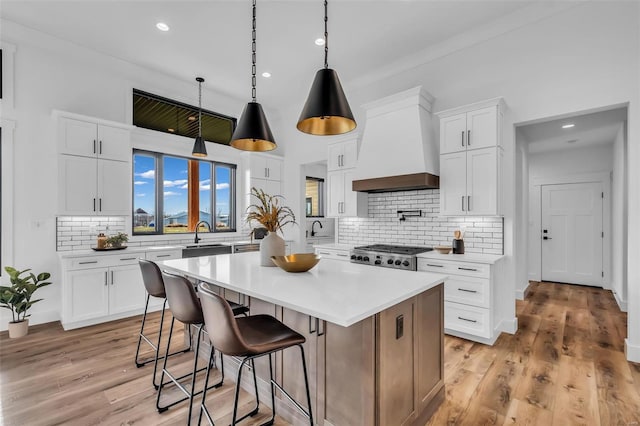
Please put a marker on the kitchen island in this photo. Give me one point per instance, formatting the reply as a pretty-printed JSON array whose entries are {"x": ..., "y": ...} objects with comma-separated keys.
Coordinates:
[{"x": 374, "y": 335}]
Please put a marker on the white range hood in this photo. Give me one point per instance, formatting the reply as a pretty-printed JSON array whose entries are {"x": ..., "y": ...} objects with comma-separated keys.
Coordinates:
[{"x": 398, "y": 150}]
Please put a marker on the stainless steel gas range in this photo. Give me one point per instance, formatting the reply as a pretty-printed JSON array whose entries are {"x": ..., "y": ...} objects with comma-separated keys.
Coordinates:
[{"x": 388, "y": 256}]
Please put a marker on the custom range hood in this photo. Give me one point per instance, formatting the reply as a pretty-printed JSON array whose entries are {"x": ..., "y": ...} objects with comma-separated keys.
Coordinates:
[{"x": 398, "y": 150}]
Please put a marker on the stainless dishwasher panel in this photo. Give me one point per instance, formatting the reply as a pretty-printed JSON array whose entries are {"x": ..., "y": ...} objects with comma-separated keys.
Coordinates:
[{"x": 246, "y": 247}]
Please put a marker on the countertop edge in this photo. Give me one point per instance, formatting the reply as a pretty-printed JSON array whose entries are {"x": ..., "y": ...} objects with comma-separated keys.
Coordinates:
[{"x": 488, "y": 259}]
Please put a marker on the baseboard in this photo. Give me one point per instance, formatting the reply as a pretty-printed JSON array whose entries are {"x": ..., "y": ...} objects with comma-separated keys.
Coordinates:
[
  {"x": 522, "y": 294},
  {"x": 508, "y": 326},
  {"x": 632, "y": 351},
  {"x": 622, "y": 304},
  {"x": 34, "y": 319}
]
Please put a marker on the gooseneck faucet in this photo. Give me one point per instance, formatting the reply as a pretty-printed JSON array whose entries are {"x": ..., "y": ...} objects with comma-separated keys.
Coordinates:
[
  {"x": 313, "y": 232},
  {"x": 196, "y": 239}
]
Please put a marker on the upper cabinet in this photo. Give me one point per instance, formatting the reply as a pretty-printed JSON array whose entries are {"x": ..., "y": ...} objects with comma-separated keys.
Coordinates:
[
  {"x": 343, "y": 155},
  {"x": 266, "y": 167},
  {"x": 472, "y": 127},
  {"x": 93, "y": 139},
  {"x": 94, "y": 166},
  {"x": 471, "y": 160}
]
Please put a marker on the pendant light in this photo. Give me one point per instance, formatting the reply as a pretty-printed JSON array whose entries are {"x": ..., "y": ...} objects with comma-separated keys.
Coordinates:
[
  {"x": 199, "y": 148},
  {"x": 253, "y": 132},
  {"x": 326, "y": 111}
]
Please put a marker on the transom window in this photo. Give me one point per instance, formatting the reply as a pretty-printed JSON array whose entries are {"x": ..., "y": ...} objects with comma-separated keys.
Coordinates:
[{"x": 172, "y": 194}]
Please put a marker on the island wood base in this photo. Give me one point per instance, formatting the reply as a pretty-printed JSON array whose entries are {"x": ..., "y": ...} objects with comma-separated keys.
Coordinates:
[{"x": 385, "y": 370}]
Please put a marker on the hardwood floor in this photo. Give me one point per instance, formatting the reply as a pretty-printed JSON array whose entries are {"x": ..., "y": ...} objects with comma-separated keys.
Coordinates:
[{"x": 564, "y": 366}]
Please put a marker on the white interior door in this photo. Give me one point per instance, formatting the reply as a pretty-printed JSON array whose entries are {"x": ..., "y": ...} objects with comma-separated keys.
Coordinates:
[{"x": 572, "y": 237}]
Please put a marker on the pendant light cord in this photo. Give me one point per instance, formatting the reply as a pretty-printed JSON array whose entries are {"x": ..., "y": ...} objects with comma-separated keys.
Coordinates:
[
  {"x": 200, "y": 80},
  {"x": 253, "y": 54},
  {"x": 326, "y": 37}
]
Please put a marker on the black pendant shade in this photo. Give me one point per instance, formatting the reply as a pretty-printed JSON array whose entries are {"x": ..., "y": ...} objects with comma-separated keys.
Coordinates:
[
  {"x": 326, "y": 111},
  {"x": 253, "y": 132},
  {"x": 199, "y": 149}
]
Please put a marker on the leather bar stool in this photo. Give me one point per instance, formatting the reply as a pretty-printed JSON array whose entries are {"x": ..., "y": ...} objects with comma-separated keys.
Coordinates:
[
  {"x": 185, "y": 307},
  {"x": 250, "y": 338},
  {"x": 153, "y": 283}
]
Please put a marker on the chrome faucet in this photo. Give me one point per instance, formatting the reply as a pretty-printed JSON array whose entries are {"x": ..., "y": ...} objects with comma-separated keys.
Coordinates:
[
  {"x": 196, "y": 239},
  {"x": 313, "y": 232}
]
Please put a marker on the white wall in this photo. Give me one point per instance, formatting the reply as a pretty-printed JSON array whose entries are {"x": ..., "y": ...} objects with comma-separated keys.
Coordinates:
[
  {"x": 522, "y": 215},
  {"x": 619, "y": 219},
  {"x": 553, "y": 66},
  {"x": 562, "y": 167}
]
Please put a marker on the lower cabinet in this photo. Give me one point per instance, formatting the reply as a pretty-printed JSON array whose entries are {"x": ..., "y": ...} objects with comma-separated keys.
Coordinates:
[{"x": 333, "y": 253}]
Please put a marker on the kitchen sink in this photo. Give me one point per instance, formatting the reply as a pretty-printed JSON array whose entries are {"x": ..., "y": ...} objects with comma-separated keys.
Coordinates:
[{"x": 196, "y": 250}]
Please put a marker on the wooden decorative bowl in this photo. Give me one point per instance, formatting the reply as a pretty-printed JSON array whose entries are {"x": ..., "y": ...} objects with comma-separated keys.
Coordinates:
[
  {"x": 298, "y": 262},
  {"x": 443, "y": 249}
]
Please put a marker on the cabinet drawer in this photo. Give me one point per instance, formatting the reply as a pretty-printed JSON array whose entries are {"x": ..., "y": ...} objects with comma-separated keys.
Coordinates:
[
  {"x": 479, "y": 270},
  {"x": 333, "y": 254},
  {"x": 467, "y": 319},
  {"x": 104, "y": 261},
  {"x": 164, "y": 255},
  {"x": 468, "y": 290}
]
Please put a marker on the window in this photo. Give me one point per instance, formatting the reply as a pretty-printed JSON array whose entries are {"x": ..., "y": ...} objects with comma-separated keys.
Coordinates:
[
  {"x": 171, "y": 194},
  {"x": 314, "y": 197}
]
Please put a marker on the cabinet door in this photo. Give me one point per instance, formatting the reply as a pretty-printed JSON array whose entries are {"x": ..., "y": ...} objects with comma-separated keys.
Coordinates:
[
  {"x": 87, "y": 294},
  {"x": 350, "y": 154},
  {"x": 274, "y": 169},
  {"x": 114, "y": 187},
  {"x": 77, "y": 137},
  {"x": 453, "y": 135},
  {"x": 77, "y": 185},
  {"x": 114, "y": 143},
  {"x": 482, "y": 128},
  {"x": 453, "y": 183},
  {"x": 258, "y": 166},
  {"x": 292, "y": 373},
  {"x": 334, "y": 160},
  {"x": 126, "y": 289},
  {"x": 355, "y": 203},
  {"x": 482, "y": 182},
  {"x": 335, "y": 193}
]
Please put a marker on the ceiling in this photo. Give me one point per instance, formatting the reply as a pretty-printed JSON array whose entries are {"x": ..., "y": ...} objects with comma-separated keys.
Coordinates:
[
  {"x": 212, "y": 39},
  {"x": 592, "y": 129}
]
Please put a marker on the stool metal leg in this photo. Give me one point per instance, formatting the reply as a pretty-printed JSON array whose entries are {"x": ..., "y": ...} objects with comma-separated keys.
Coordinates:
[
  {"x": 141, "y": 335},
  {"x": 306, "y": 384}
]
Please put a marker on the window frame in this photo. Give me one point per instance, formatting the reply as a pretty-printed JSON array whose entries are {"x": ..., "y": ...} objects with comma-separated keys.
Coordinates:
[
  {"x": 159, "y": 193},
  {"x": 321, "y": 198}
]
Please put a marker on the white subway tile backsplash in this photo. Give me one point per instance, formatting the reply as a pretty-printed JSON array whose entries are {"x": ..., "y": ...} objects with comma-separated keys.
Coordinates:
[
  {"x": 482, "y": 234},
  {"x": 80, "y": 233}
]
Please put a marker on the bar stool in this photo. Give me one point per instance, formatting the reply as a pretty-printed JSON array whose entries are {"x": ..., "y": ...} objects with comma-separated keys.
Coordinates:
[
  {"x": 185, "y": 307},
  {"x": 250, "y": 338},
  {"x": 153, "y": 283}
]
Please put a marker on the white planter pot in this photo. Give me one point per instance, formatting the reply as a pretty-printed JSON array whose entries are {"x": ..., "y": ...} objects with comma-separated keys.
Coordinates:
[
  {"x": 271, "y": 245},
  {"x": 18, "y": 329}
]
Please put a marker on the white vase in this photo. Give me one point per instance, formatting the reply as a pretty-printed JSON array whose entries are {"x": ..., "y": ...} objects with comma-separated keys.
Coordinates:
[
  {"x": 271, "y": 245},
  {"x": 18, "y": 329}
]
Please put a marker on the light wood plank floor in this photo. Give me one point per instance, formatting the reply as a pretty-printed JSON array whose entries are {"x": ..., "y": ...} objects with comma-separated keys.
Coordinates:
[{"x": 564, "y": 366}]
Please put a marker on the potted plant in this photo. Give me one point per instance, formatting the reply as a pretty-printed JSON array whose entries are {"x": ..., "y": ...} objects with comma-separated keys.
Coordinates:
[
  {"x": 117, "y": 240},
  {"x": 17, "y": 297},
  {"x": 268, "y": 212}
]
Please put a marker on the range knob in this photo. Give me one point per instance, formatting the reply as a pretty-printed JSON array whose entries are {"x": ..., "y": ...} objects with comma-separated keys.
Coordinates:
[
  {"x": 390, "y": 261},
  {"x": 366, "y": 258},
  {"x": 405, "y": 263},
  {"x": 353, "y": 257},
  {"x": 398, "y": 262},
  {"x": 359, "y": 258},
  {"x": 378, "y": 261}
]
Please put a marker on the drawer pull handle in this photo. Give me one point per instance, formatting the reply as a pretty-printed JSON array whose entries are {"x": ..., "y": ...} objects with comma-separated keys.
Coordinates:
[
  {"x": 467, "y": 269},
  {"x": 466, "y": 319},
  {"x": 342, "y": 254},
  {"x": 468, "y": 291},
  {"x": 163, "y": 255},
  {"x": 88, "y": 262},
  {"x": 311, "y": 322},
  {"x": 324, "y": 252},
  {"x": 435, "y": 266},
  {"x": 128, "y": 258}
]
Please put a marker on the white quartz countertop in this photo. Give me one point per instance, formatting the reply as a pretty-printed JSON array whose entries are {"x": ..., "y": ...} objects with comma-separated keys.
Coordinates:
[
  {"x": 467, "y": 257},
  {"x": 130, "y": 249},
  {"x": 334, "y": 246},
  {"x": 340, "y": 292}
]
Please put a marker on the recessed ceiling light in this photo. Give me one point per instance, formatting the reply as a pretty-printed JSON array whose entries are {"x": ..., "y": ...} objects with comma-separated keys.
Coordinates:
[
  {"x": 320, "y": 41},
  {"x": 266, "y": 74},
  {"x": 568, "y": 126},
  {"x": 171, "y": 130},
  {"x": 162, "y": 26}
]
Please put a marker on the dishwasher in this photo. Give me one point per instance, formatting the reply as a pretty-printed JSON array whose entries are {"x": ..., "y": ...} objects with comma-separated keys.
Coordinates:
[{"x": 246, "y": 247}]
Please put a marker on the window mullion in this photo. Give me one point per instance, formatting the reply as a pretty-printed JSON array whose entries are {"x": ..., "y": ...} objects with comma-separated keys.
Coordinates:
[
  {"x": 214, "y": 212},
  {"x": 159, "y": 193}
]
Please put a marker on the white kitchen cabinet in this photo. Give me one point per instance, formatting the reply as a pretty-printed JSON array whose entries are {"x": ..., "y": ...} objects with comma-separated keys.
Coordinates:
[
  {"x": 89, "y": 186},
  {"x": 91, "y": 138},
  {"x": 342, "y": 201},
  {"x": 473, "y": 308},
  {"x": 271, "y": 187},
  {"x": 333, "y": 253},
  {"x": 471, "y": 182},
  {"x": 343, "y": 155},
  {"x": 265, "y": 167},
  {"x": 101, "y": 288},
  {"x": 471, "y": 126}
]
